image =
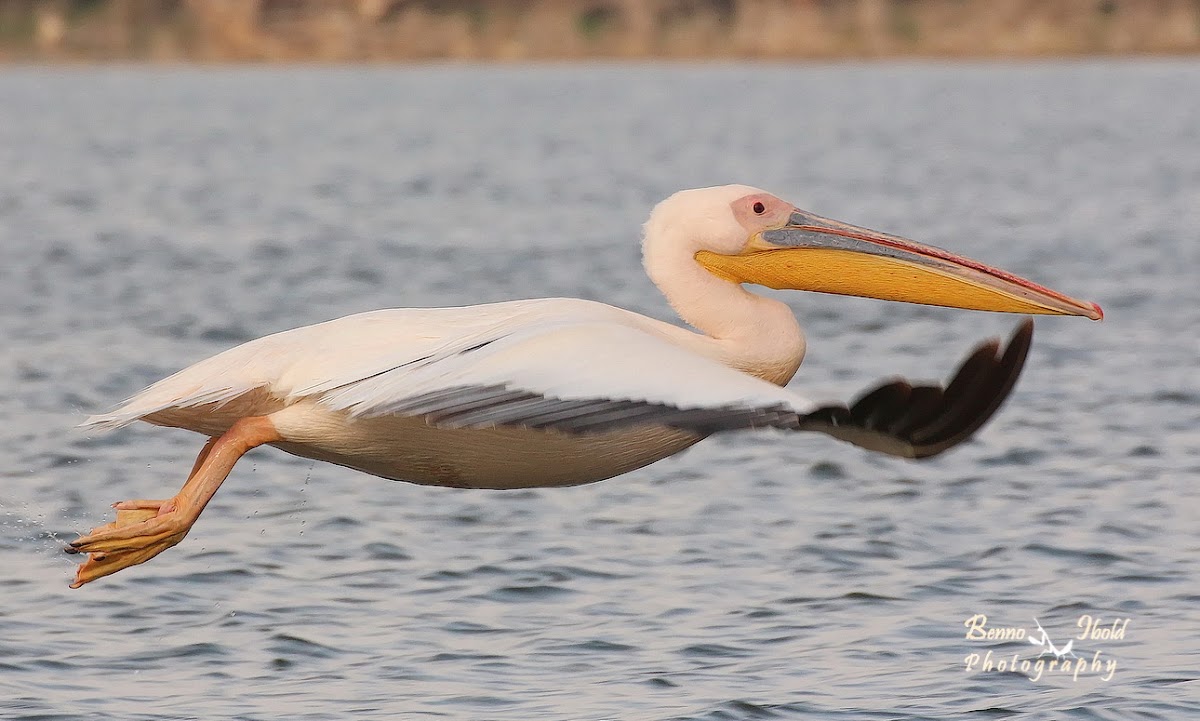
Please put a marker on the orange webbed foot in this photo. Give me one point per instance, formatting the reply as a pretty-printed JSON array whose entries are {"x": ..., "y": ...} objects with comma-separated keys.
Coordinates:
[{"x": 142, "y": 530}]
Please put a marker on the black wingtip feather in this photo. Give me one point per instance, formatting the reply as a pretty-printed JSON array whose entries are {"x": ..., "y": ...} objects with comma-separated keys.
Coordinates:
[{"x": 925, "y": 421}]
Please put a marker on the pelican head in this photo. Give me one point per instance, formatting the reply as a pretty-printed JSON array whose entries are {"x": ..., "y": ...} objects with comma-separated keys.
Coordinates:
[{"x": 747, "y": 235}]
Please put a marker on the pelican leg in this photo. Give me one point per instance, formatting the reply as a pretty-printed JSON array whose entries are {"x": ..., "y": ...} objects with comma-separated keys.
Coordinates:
[{"x": 145, "y": 528}]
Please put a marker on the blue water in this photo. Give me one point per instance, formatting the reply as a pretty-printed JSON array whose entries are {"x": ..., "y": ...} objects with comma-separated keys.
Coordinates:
[{"x": 152, "y": 217}]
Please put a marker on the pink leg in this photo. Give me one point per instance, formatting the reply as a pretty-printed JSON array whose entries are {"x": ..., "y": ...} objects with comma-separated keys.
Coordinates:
[{"x": 146, "y": 528}]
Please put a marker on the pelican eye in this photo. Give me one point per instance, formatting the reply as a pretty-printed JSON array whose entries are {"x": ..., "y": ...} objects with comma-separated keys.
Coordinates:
[{"x": 759, "y": 208}]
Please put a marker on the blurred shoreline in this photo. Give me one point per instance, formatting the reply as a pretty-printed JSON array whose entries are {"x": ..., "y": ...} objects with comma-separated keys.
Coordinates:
[{"x": 421, "y": 30}]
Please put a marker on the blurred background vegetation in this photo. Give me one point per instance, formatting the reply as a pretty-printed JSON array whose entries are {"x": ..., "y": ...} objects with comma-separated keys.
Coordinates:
[{"x": 390, "y": 30}]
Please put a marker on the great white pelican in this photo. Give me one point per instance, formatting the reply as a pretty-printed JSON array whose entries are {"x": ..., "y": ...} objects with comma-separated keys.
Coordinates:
[{"x": 559, "y": 392}]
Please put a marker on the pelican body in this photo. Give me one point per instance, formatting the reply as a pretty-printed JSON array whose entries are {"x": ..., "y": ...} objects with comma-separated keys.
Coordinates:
[{"x": 559, "y": 391}]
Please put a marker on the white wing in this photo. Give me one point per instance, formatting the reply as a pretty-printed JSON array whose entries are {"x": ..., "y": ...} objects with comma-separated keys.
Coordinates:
[
  {"x": 401, "y": 360},
  {"x": 568, "y": 365}
]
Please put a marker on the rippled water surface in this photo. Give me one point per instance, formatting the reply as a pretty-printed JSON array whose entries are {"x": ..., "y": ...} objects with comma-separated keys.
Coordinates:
[{"x": 149, "y": 218}]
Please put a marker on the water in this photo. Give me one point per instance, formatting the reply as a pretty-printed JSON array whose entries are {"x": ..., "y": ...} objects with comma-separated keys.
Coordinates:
[{"x": 149, "y": 218}]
